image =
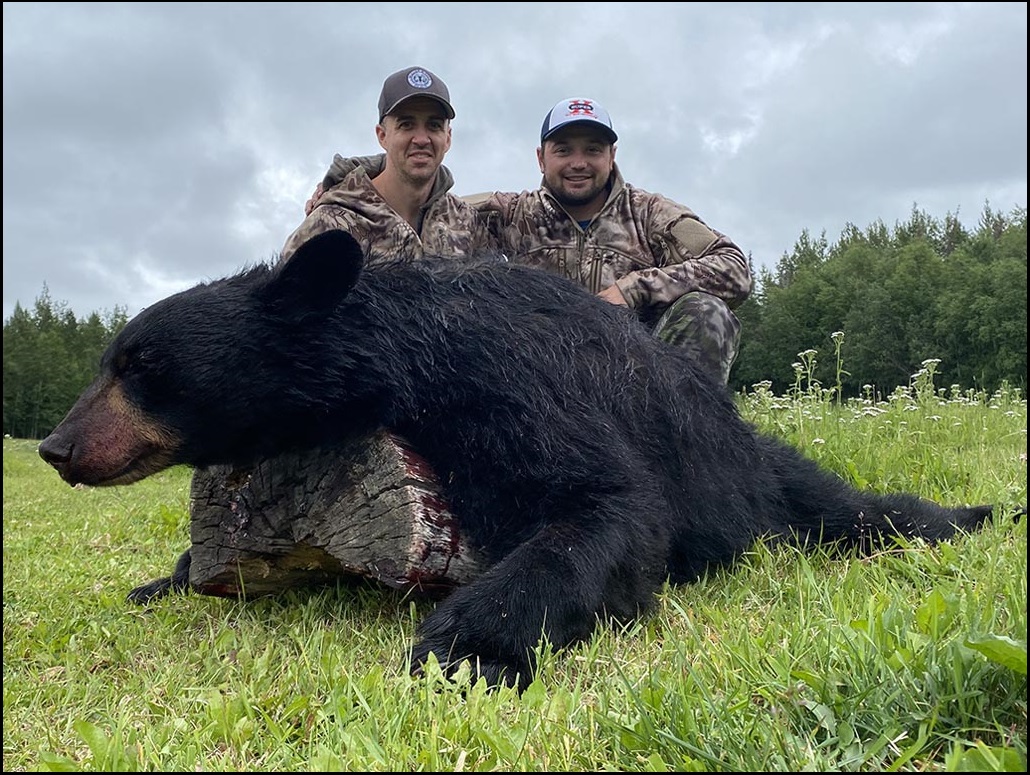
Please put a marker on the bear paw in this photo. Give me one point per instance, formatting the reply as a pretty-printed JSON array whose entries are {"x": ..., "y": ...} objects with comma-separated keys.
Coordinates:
[
  {"x": 494, "y": 670},
  {"x": 153, "y": 590}
]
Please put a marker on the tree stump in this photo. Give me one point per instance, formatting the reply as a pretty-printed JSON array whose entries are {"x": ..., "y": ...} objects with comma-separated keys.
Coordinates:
[{"x": 370, "y": 507}]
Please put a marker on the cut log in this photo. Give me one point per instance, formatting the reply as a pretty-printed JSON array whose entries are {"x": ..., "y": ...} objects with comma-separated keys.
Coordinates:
[{"x": 368, "y": 508}]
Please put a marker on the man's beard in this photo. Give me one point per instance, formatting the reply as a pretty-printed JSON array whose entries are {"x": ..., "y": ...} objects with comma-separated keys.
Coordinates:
[
  {"x": 419, "y": 178},
  {"x": 566, "y": 199},
  {"x": 575, "y": 200}
]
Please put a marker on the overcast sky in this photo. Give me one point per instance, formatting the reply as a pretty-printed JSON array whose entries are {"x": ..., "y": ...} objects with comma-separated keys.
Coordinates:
[{"x": 149, "y": 146}]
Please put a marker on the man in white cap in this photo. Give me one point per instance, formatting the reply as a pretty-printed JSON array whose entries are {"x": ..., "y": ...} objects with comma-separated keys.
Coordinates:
[
  {"x": 630, "y": 246},
  {"x": 402, "y": 207}
]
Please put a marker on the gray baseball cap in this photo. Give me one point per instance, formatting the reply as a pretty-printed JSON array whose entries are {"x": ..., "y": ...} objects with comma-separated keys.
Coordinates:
[
  {"x": 413, "y": 82},
  {"x": 577, "y": 110}
]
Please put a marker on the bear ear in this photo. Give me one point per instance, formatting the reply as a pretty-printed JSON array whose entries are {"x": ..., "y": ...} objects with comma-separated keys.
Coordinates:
[{"x": 319, "y": 274}]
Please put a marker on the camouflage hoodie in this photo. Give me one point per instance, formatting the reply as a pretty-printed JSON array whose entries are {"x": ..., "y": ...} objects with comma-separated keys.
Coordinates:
[
  {"x": 450, "y": 226},
  {"x": 653, "y": 248}
]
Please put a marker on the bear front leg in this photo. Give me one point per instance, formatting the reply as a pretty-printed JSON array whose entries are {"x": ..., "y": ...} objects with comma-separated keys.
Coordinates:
[
  {"x": 178, "y": 582},
  {"x": 557, "y": 585}
]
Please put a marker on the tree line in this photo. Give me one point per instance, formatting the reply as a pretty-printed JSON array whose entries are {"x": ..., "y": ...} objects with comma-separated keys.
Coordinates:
[
  {"x": 878, "y": 303},
  {"x": 50, "y": 356},
  {"x": 867, "y": 311}
]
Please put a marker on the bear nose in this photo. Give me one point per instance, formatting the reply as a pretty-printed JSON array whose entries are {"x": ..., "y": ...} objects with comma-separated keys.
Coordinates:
[{"x": 54, "y": 452}]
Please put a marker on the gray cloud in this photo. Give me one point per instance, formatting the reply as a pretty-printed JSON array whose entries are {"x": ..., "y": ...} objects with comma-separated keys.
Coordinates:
[{"x": 150, "y": 146}]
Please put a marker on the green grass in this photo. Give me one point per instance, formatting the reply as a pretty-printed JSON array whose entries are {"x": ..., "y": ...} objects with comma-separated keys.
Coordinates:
[{"x": 913, "y": 660}]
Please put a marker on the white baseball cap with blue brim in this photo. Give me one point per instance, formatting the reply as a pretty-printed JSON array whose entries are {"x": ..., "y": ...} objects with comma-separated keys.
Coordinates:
[{"x": 577, "y": 110}]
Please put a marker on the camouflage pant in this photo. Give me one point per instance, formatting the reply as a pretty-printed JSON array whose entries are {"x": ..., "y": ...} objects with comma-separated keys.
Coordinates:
[{"x": 706, "y": 327}]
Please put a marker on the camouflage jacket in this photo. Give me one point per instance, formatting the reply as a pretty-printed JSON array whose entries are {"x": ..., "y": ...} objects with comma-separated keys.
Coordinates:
[
  {"x": 653, "y": 248},
  {"x": 450, "y": 226}
]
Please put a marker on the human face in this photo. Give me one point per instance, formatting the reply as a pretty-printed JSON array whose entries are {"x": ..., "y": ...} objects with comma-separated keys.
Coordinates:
[
  {"x": 577, "y": 163},
  {"x": 416, "y": 136}
]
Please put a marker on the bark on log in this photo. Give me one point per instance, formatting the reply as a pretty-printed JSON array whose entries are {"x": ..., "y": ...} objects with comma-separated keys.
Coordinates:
[{"x": 368, "y": 508}]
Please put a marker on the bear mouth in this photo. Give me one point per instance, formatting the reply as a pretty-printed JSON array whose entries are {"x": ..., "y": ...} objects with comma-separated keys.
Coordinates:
[{"x": 136, "y": 469}]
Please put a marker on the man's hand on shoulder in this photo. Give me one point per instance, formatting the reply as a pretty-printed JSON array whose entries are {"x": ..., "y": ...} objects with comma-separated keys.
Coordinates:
[
  {"x": 315, "y": 196},
  {"x": 613, "y": 295}
]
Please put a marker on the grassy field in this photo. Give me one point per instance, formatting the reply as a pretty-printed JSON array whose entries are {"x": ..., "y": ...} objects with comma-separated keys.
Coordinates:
[{"x": 912, "y": 660}]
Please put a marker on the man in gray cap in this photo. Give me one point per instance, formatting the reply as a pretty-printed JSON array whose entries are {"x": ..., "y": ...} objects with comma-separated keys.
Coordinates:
[
  {"x": 397, "y": 207},
  {"x": 402, "y": 206}
]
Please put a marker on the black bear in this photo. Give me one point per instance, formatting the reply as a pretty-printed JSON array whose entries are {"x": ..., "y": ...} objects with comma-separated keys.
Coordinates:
[{"x": 585, "y": 459}]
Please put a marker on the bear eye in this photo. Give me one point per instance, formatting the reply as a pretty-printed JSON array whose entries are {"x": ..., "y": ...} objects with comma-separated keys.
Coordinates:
[
  {"x": 136, "y": 361},
  {"x": 146, "y": 360}
]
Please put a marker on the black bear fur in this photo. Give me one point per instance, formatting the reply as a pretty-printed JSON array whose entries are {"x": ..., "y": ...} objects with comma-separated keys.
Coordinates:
[{"x": 588, "y": 461}]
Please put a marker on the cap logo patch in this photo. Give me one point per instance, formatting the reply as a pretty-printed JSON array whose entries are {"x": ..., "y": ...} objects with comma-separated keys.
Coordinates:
[
  {"x": 580, "y": 108},
  {"x": 420, "y": 79}
]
